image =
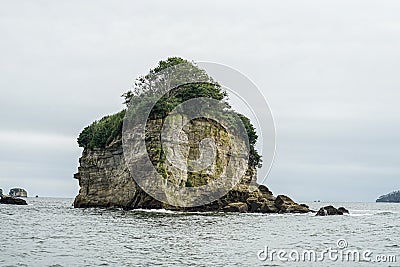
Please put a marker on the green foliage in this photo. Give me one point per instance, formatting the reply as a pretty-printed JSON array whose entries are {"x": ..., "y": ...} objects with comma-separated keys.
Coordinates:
[
  {"x": 167, "y": 103},
  {"x": 254, "y": 157},
  {"x": 168, "y": 74},
  {"x": 127, "y": 96},
  {"x": 101, "y": 133},
  {"x": 171, "y": 61},
  {"x": 188, "y": 184}
]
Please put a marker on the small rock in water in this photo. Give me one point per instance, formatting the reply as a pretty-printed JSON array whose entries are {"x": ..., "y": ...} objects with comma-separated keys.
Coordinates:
[
  {"x": 343, "y": 210},
  {"x": 331, "y": 210}
]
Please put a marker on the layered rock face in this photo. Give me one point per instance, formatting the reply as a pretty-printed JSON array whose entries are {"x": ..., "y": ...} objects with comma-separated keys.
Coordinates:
[{"x": 105, "y": 179}]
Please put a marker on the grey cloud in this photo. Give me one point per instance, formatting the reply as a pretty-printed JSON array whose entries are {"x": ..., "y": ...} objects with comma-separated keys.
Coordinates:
[{"x": 328, "y": 69}]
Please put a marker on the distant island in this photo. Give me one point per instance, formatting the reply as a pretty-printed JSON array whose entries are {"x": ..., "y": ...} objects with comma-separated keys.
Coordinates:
[
  {"x": 393, "y": 197},
  {"x": 12, "y": 198},
  {"x": 18, "y": 192}
]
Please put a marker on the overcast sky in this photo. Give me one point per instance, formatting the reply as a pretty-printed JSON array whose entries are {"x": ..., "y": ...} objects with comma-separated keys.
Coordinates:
[{"x": 329, "y": 70}]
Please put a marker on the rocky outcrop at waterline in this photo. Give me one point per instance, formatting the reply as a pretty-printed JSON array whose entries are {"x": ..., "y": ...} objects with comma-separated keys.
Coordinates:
[
  {"x": 105, "y": 181},
  {"x": 12, "y": 200},
  {"x": 1, "y": 192}
]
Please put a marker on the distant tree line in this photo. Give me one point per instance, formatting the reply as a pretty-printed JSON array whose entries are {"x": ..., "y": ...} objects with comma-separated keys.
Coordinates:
[{"x": 391, "y": 197}]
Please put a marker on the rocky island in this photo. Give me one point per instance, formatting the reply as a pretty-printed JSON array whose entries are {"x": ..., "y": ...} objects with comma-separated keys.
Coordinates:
[
  {"x": 105, "y": 179},
  {"x": 18, "y": 192},
  {"x": 393, "y": 197},
  {"x": 12, "y": 197}
]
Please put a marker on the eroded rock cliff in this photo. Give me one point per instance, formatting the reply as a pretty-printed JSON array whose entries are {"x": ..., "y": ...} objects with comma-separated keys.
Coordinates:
[{"x": 106, "y": 181}]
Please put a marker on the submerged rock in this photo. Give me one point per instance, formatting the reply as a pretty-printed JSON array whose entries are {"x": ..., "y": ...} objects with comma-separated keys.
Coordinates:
[
  {"x": 331, "y": 210},
  {"x": 12, "y": 200}
]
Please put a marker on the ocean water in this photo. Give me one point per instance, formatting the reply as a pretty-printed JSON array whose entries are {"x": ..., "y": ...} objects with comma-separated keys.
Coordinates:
[{"x": 50, "y": 232}]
